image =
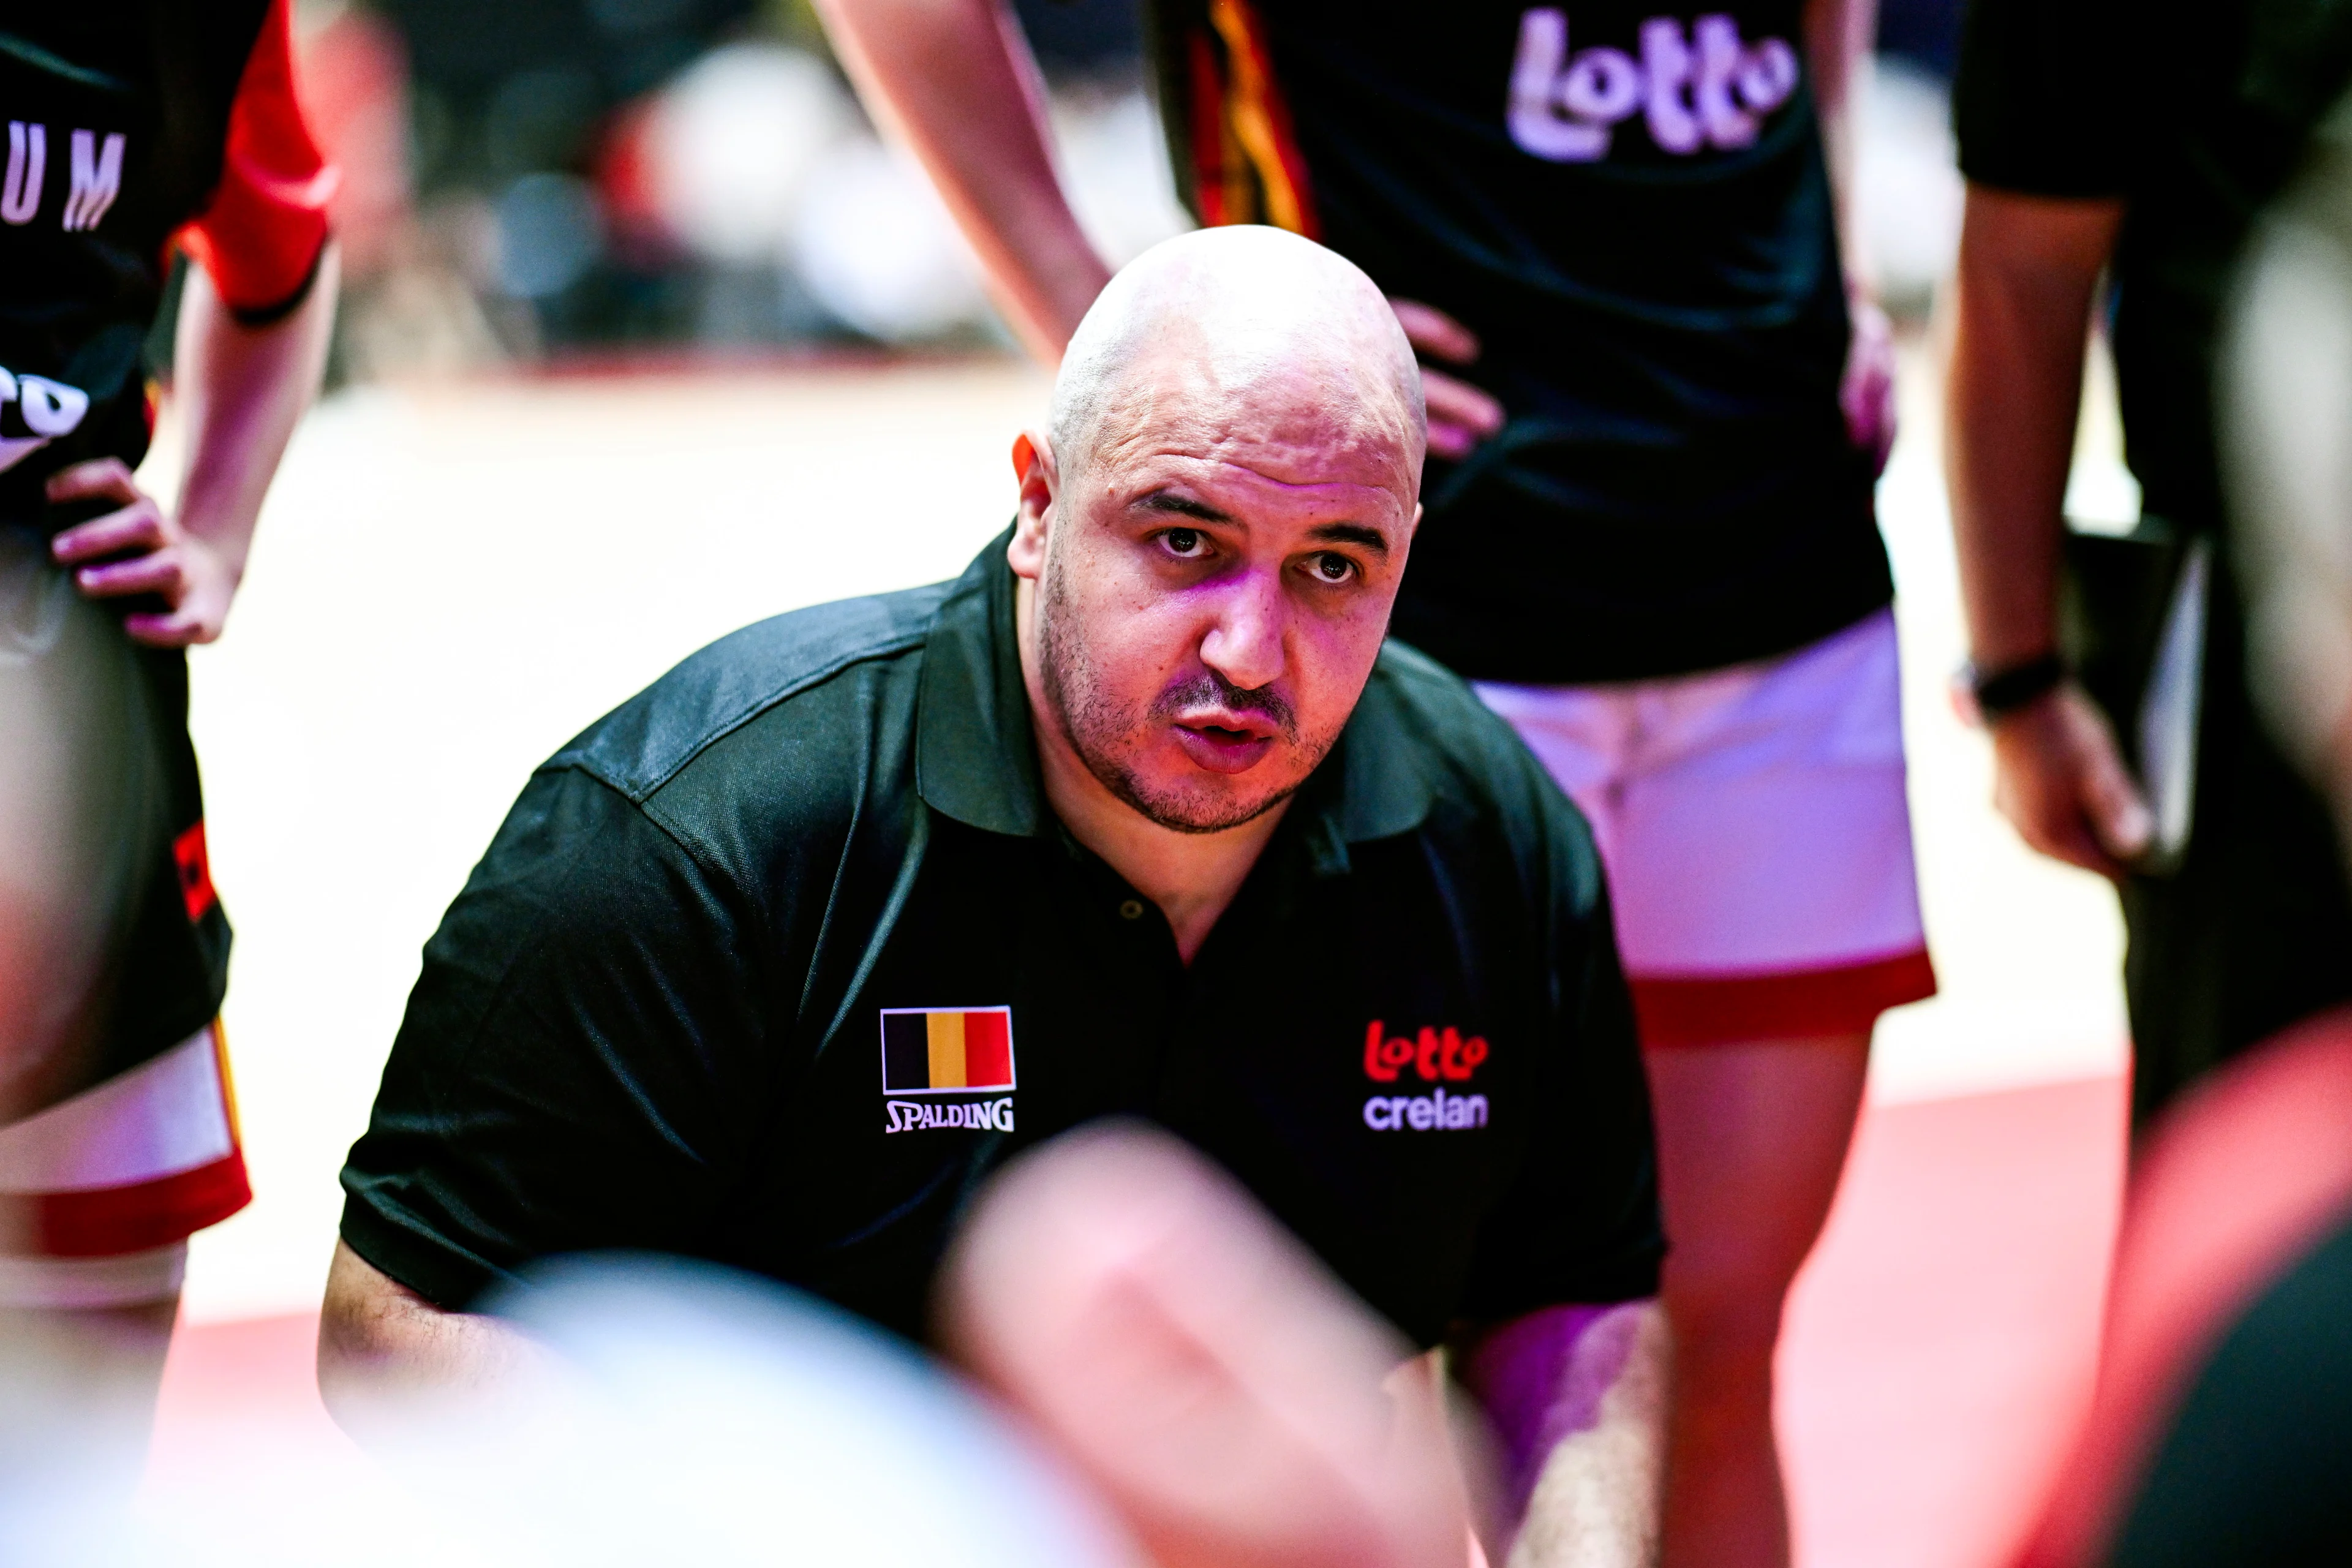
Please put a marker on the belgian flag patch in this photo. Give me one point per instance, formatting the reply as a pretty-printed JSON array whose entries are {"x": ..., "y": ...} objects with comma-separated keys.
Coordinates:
[{"x": 945, "y": 1050}]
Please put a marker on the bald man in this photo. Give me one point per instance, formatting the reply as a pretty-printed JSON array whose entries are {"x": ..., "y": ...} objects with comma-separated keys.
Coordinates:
[{"x": 1139, "y": 817}]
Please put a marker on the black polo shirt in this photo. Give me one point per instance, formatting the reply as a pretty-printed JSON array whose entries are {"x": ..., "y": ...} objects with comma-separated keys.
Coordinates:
[{"x": 777, "y": 961}]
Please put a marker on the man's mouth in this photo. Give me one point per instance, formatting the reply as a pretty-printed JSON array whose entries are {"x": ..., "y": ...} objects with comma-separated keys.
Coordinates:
[{"x": 1227, "y": 744}]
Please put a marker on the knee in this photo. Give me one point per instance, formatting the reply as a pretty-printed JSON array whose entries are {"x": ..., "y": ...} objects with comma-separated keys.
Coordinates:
[{"x": 1726, "y": 1322}]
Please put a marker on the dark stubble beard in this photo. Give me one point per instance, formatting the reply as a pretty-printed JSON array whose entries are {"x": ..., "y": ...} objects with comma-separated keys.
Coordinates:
[{"x": 1098, "y": 725}]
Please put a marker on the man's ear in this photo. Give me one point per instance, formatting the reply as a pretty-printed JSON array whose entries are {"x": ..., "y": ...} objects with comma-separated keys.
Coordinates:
[{"x": 1032, "y": 461}]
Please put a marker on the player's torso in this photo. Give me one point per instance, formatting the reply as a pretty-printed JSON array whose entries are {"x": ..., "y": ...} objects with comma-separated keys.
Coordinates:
[
  {"x": 1627, "y": 156},
  {"x": 114, "y": 115},
  {"x": 1334, "y": 1044},
  {"x": 1628, "y": 204}
]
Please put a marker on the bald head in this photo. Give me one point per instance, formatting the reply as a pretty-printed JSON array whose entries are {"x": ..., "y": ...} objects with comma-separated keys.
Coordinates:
[
  {"x": 1243, "y": 324},
  {"x": 1215, "y": 526}
]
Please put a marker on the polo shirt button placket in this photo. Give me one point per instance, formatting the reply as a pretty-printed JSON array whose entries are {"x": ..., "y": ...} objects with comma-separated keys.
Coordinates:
[{"x": 1131, "y": 910}]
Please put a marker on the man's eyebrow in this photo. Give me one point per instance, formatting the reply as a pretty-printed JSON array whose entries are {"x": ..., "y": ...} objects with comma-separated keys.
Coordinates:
[
  {"x": 1183, "y": 506},
  {"x": 1370, "y": 539}
]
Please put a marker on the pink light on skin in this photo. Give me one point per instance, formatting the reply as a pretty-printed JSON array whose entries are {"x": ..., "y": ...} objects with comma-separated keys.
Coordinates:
[
  {"x": 1249, "y": 603},
  {"x": 1540, "y": 1380}
]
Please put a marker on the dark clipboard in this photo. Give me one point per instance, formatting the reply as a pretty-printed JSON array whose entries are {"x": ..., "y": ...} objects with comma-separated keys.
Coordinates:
[{"x": 2133, "y": 614}]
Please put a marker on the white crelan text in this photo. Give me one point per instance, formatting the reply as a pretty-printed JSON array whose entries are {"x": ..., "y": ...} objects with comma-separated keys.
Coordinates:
[
  {"x": 978, "y": 1116},
  {"x": 1438, "y": 1111},
  {"x": 1697, "y": 90}
]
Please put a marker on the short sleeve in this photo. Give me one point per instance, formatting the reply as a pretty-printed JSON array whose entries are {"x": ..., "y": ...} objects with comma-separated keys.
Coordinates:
[
  {"x": 574, "y": 1071},
  {"x": 2043, "y": 101},
  {"x": 262, "y": 233},
  {"x": 1579, "y": 1223}
]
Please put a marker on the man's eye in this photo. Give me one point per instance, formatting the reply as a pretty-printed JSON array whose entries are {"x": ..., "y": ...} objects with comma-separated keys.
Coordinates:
[
  {"x": 1184, "y": 541},
  {"x": 1329, "y": 567}
]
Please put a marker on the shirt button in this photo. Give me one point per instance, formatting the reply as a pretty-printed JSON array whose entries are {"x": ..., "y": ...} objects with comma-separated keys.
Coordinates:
[{"x": 1132, "y": 909}]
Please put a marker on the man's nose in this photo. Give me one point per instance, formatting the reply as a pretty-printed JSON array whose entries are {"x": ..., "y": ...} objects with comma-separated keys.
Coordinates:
[{"x": 1244, "y": 644}]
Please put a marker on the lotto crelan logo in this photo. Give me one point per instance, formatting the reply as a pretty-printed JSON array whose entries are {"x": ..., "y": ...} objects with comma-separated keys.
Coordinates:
[
  {"x": 1705, "y": 88},
  {"x": 1433, "y": 1055},
  {"x": 929, "y": 1053}
]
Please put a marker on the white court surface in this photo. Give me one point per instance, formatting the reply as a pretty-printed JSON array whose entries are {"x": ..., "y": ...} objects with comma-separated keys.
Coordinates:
[{"x": 452, "y": 581}]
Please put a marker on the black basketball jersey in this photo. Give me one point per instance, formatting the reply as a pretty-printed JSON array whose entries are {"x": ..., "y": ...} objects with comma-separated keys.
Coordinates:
[
  {"x": 126, "y": 127},
  {"x": 129, "y": 122},
  {"x": 1629, "y": 206}
]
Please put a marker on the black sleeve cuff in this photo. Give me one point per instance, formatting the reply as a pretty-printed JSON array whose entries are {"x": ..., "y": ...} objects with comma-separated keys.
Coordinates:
[
  {"x": 270, "y": 315},
  {"x": 402, "y": 1249}
]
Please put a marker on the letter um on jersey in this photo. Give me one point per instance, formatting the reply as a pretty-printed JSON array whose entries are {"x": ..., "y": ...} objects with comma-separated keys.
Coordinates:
[{"x": 933, "y": 1050}]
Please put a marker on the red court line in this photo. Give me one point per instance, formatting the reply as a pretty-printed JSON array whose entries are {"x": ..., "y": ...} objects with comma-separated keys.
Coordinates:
[{"x": 1938, "y": 1345}]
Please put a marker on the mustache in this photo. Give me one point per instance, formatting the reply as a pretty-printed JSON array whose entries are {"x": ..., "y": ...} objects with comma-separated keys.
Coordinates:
[{"x": 1206, "y": 688}]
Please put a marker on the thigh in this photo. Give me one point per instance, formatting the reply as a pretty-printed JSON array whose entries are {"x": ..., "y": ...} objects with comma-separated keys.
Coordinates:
[
  {"x": 80, "y": 826},
  {"x": 1764, "y": 883}
]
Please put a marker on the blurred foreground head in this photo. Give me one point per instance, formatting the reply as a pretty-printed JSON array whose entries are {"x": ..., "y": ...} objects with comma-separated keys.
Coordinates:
[
  {"x": 672, "y": 1413},
  {"x": 1221, "y": 1391},
  {"x": 1194, "y": 1392},
  {"x": 2285, "y": 397},
  {"x": 1216, "y": 519}
]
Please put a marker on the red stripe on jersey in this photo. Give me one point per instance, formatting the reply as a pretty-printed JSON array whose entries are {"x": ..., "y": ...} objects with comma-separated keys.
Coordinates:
[
  {"x": 987, "y": 1050},
  {"x": 262, "y": 233},
  {"x": 1212, "y": 159},
  {"x": 196, "y": 864},
  {"x": 1290, "y": 198},
  {"x": 101, "y": 1222},
  {"x": 1793, "y": 1004}
]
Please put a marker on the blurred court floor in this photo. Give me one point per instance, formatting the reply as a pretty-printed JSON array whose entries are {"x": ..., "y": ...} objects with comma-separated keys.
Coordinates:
[{"x": 450, "y": 580}]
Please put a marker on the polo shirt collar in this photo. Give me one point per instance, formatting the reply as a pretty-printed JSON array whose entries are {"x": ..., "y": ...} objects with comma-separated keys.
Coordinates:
[{"x": 976, "y": 754}]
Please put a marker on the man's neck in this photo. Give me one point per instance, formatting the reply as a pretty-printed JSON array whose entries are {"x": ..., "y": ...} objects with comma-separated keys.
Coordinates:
[{"x": 1192, "y": 877}]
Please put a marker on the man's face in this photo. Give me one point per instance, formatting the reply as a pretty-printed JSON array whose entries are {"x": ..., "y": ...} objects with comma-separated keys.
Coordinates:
[{"x": 1215, "y": 573}]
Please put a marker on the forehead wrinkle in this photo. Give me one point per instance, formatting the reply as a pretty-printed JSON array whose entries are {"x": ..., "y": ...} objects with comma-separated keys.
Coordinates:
[{"x": 1309, "y": 428}]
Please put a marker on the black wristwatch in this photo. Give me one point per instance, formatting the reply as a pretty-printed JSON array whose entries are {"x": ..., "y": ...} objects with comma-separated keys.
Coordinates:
[{"x": 1995, "y": 694}]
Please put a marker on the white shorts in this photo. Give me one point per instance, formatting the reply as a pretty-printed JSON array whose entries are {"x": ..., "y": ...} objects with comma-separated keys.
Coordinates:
[
  {"x": 1757, "y": 836},
  {"x": 100, "y": 1192}
]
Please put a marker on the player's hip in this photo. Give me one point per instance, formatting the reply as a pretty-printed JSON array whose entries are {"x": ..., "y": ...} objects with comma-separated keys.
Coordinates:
[
  {"x": 1757, "y": 830},
  {"x": 99, "y": 1193}
]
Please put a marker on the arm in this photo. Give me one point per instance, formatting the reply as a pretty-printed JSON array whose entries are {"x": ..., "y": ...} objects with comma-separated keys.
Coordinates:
[
  {"x": 955, "y": 81},
  {"x": 2029, "y": 267},
  {"x": 1838, "y": 35},
  {"x": 1576, "y": 1398},
  {"x": 381, "y": 1344},
  {"x": 242, "y": 390}
]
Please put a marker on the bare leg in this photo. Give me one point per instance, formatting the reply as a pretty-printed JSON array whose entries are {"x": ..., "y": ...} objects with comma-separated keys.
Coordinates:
[
  {"x": 78, "y": 1391},
  {"x": 1751, "y": 1142}
]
